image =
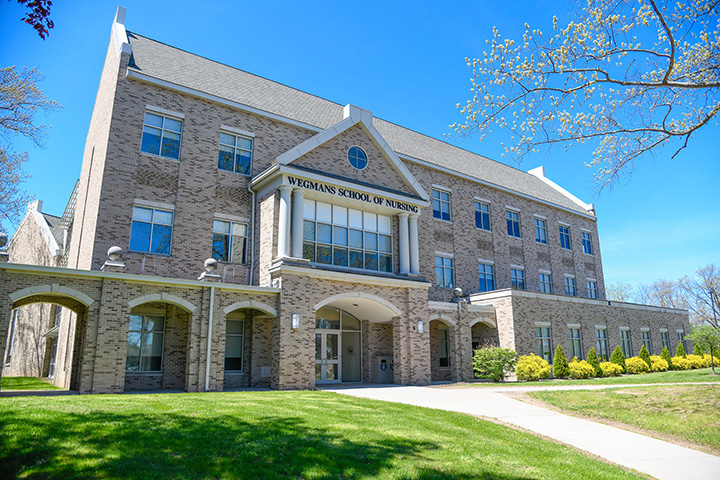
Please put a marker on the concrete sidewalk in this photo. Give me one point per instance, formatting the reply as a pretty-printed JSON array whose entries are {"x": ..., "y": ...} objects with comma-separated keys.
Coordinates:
[{"x": 663, "y": 460}]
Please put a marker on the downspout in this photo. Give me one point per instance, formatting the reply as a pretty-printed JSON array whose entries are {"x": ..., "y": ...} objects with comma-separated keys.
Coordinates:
[
  {"x": 209, "y": 339},
  {"x": 252, "y": 238}
]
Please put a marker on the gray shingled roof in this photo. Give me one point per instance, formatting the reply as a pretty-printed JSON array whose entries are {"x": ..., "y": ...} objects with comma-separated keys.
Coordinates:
[
  {"x": 192, "y": 71},
  {"x": 54, "y": 224}
]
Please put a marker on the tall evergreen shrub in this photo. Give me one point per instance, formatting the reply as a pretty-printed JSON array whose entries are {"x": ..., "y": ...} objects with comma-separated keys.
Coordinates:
[
  {"x": 698, "y": 350},
  {"x": 561, "y": 369},
  {"x": 665, "y": 355},
  {"x": 645, "y": 355},
  {"x": 618, "y": 358},
  {"x": 593, "y": 360},
  {"x": 680, "y": 351}
]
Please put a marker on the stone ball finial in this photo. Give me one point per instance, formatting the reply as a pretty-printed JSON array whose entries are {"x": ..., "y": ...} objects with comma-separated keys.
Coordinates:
[
  {"x": 458, "y": 292},
  {"x": 3, "y": 240},
  {"x": 115, "y": 253},
  {"x": 210, "y": 265}
]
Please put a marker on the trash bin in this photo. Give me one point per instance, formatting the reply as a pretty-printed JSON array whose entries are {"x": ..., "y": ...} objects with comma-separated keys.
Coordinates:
[{"x": 383, "y": 367}]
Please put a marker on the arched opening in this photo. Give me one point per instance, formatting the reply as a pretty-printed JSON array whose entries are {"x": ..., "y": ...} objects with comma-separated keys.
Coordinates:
[
  {"x": 483, "y": 332},
  {"x": 354, "y": 339},
  {"x": 157, "y": 346},
  {"x": 248, "y": 345},
  {"x": 46, "y": 334},
  {"x": 442, "y": 351}
]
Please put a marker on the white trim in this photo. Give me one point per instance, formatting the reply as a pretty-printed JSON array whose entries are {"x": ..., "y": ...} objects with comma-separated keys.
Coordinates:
[
  {"x": 514, "y": 209},
  {"x": 345, "y": 277},
  {"x": 265, "y": 308},
  {"x": 148, "y": 203},
  {"x": 549, "y": 272},
  {"x": 439, "y": 317},
  {"x": 519, "y": 267},
  {"x": 163, "y": 111},
  {"x": 600, "y": 327},
  {"x": 663, "y": 330},
  {"x": 541, "y": 217},
  {"x": 230, "y": 218},
  {"x": 444, "y": 254},
  {"x": 564, "y": 224},
  {"x": 624, "y": 328},
  {"x": 481, "y": 308},
  {"x": 119, "y": 34},
  {"x": 237, "y": 131},
  {"x": 482, "y": 200},
  {"x": 155, "y": 155},
  {"x": 582, "y": 229},
  {"x": 539, "y": 172},
  {"x": 364, "y": 296},
  {"x": 644, "y": 329},
  {"x": 46, "y": 233},
  {"x": 484, "y": 320},
  {"x": 162, "y": 297},
  {"x": 487, "y": 262},
  {"x": 569, "y": 275},
  {"x": 54, "y": 289},
  {"x": 440, "y": 187},
  {"x": 543, "y": 324},
  {"x": 680, "y": 330},
  {"x": 435, "y": 305},
  {"x": 590, "y": 279},
  {"x": 573, "y": 325}
]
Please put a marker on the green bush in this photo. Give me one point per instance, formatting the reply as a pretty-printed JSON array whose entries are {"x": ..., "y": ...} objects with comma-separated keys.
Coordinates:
[
  {"x": 494, "y": 363},
  {"x": 696, "y": 361},
  {"x": 698, "y": 350},
  {"x": 680, "y": 351},
  {"x": 560, "y": 364},
  {"x": 531, "y": 368},
  {"x": 618, "y": 358},
  {"x": 636, "y": 365},
  {"x": 658, "y": 364},
  {"x": 680, "y": 363},
  {"x": 581, "y": 369},
  {"x": 665, "y": 354},
  {"x": 645, "y": 355},
  {"x": 593, "y": 360},
  {"x": 611, "y": 369}
]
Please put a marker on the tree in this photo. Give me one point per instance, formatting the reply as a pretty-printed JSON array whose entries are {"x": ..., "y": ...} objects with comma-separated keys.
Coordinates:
[
  {"x": 709, "y": 338},
  {"x": 592, "y": 359},
  {"x": 628, "y": 77},
  {"x": 680, "y": 350},
  {"x": 561, "y": 369},
  {"x": 618, "y": 358},
  {"x": 703, "y": 293},
  {"x": 20, "y": 100},
  {"x": 665, "y": 355},
  {"x": 645, "y": 355},
  {"x": 494, "y": 362},
  {"x": 621, "y": 292},
  {"x": 39, "y": 16}
]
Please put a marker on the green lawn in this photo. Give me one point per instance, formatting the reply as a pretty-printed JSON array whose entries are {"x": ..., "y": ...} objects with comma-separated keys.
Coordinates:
[
  {"x": 265, "y": 435},
  {"x": 680, "y": 376},
  {"x": 686, "y": 412},
  {"x": 26, "y": 383}
]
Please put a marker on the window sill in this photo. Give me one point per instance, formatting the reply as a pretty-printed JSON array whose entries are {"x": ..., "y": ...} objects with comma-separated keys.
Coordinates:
[
  {"x": 237, "y": 174},
  {"x": 161, "y": 255},
  {"x": 235, "y": 372},
  {"x": 443, "y": 220},
  {"x": 542, "y": 243},
  {"x": 589, "y": 254},
  {"x": 483, "y": 229},
  {"x": 152, "y": 155},
  {"x": 144, "y": 374},
  {"x": 513, "y": 236}
]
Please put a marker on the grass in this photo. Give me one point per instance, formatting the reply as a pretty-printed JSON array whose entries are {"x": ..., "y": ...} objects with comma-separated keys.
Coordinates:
[
  {"x": 679, "y": 376},
  {"x": 26, "y": 383},
  {"x": 265, "y": 435},
  {"x": 686, "y": 412}
]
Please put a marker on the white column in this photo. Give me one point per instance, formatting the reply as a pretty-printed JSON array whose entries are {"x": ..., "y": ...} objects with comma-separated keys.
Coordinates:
[
  {"x": 404, "y": 244},
  {"x": 284, "y": 222},
  {"x": 414, "y": 245},
  {"x": 297, "y": 222}
]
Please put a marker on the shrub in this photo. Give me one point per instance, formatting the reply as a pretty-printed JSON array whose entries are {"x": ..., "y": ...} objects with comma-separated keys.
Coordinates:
[
  {"x": 715, "y": 360},
  {"x": 698, "y": 350},
  {"x": 680, "y": 363},
  {"x": 593, "y": 360},
  {"x": 531, "y": 368},
  {"x": 645, "y": 355},
  {"x": 611, "y": 369},
  {"x": 680, "y": 350},
  {"x": 560, "y": 364},
  {"x": 618, "y": 358},
  {"x": 581, "y": 369},
  {"x": 665, "y": 354},
  {"x": 696, "y": 361},
  {"x": 494, "y": 362},
  {"x": 658, "y": 364},
  {"x": 636, "y": 365}
]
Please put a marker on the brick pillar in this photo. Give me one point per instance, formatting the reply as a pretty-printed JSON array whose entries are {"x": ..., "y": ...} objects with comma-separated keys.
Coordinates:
[
  {"x": 463, "y": 342},
  {"x": 293, "y": 364},
  {"x": 5, "y": 315},
  {"x": 411, "y": 350}
]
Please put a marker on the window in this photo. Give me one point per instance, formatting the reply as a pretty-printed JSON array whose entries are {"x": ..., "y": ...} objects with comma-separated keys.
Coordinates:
[
  {"x": 681, "y": 339},
  {"x": 235, "y": 153},
  {"x": 540, "y": 231},
  {"x": 513, "y": 223},
  {"x": 575, "y": 343},
  {"x": 545, "y": 283},
  {"x": 229, "y": 241},
  {"x": 234, "y": 330},
  {"x": 565, "y": 237},
  {"x": 601, "y": 344},
  {"x": 482, "y": 216},
  {"x": 145, "y": 343},
  {"x": 517, "y": 278},
  {"x": 444, "y": 272},
  {"x": 646, "y": 341},
  {"x": 592, "y": 289},
  {"x": 544, "y": 348},
  {"x": 664, "y": 340},
  {"x": 570, "y": 288},
  {"x": 151, "y": 230},
  {"x": 487, "y": 277},
  {"x": 357, "y": 157},
  {"x": 58, "y": 315},
  {"x": 625, "y": 344},
  {"x": 441, "y": 204},
  {"x": 161, "y": 136},
  {"x": 53, "y": 355},
  {"x": 586, "y": 243},
  {"x": 13, "y": 329},
  {"x": 345, "y": 237},
  {"x": 444, "y": 351}
]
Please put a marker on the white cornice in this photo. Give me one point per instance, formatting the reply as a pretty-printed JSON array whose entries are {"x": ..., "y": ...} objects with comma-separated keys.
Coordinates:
[{"x": 346, "y": 277}]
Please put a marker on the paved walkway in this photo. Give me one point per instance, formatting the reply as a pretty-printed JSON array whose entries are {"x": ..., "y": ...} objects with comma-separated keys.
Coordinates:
[{"x": 663, "y": 460}]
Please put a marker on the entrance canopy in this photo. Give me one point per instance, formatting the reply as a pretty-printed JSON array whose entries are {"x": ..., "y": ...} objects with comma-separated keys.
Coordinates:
[{"x": 363, "y": 306}]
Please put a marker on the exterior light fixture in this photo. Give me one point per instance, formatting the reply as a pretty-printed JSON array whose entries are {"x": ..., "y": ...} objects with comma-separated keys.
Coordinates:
[
  {"x": 295, "y": 321},
  {"x": 420, "y": 327}
]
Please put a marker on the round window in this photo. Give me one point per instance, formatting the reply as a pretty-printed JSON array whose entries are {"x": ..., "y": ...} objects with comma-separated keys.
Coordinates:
[{"x": 357, "y": 157}]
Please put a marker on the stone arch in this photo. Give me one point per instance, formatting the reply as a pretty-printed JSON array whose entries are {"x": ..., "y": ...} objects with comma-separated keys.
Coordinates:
[
  {"x": 165, "y": 298},
  {"x": 447, "y": 321},
  {"x": 51, "y": 290},
  {"x": 485, "y": 321},
  {"x": 366, "y": 296},
  {"x": 251, "y": 304}
]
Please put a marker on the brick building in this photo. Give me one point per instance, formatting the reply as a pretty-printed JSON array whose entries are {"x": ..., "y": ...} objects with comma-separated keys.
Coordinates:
[{"x": 340, "y": 239}]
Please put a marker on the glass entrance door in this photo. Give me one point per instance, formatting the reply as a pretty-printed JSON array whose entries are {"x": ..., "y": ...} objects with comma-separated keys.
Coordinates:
[{"x": 327, "y": 357}]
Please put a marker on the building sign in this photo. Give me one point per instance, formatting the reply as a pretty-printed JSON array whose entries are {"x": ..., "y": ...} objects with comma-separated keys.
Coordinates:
[{"x": 351, "y": 194}]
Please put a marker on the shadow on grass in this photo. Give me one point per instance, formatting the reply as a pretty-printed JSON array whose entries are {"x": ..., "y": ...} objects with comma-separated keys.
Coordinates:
[{"x": 99, "y": 444}]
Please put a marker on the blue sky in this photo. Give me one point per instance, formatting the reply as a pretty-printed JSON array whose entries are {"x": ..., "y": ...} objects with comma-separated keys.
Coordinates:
[{"x": 404, "y": 61}]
